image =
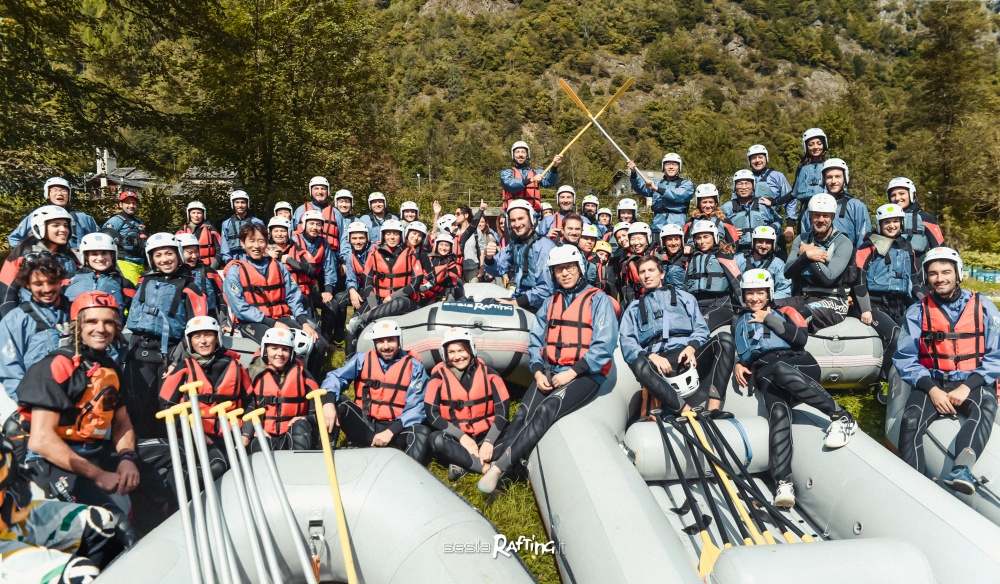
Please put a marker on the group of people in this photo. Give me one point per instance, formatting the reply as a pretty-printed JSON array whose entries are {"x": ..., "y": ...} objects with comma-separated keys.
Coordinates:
[{"x": 694, "y": 298}]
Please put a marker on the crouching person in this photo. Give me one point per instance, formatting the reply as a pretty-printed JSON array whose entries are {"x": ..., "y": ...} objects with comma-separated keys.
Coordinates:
[
  {"x": 388, "y": 405},
  {"x": 771, "y": 356},
  {"x": 467, "y": 404},
  {"x": 570, "y": 354}
]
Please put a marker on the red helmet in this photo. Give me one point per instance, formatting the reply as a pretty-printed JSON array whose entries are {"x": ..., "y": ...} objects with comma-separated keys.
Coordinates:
[
  {"x": 92, "y": 299},
  {"x": 126, "y": 195}
]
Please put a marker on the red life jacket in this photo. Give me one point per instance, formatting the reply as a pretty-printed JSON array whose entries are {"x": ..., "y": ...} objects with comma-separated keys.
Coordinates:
[
  {"x": 283, "y": 402},
  {"x": 570, "y": 329},
  {"x": 532, "y": 193},
  {"x": 90, "y": 419},
  {"x": 359, "y": 270},
  {"x": 8, "y": 273},
  {"x": 442, "y": 271},
  {"x": 387, "y": 279},
  {"x": 208, "y": 241},
  {"x": 381, "y": 395},
  {"x": 947, "y": 347},
  {"x": 472, "y": 409},
  {"x": 266, "y": 293},
  {"x": 330, "y": 229},
  {"x": 314, "y": 261},
  {"x": 231, "y": 387}
]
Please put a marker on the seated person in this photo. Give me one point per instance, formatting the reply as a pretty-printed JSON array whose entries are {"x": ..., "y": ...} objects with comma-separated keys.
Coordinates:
[
  {"x": 100, "y": 271},
  {"x": 762, "y": 255},
  {"x": 50, "y": 233}
]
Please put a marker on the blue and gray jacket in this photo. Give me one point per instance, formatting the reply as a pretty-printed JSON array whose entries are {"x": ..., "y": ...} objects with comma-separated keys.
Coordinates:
[
  {"x": 29, "y": 332},
  {"x": 774, "y": 266},
  {"x": 112, "y": 282},
  {"x": 778, "y": 332},
  {"x": 747, "y": 215},
  {"x": 525, "y": 263},
  {"x": 851, "y": 219},
  {"x": 82, "y": 225},
  {"x": 660, "y": 321},
  {"x": 231, "y": 247},
  {"x": 129, "y": 234},
  {"x": 670, "y": 199}
]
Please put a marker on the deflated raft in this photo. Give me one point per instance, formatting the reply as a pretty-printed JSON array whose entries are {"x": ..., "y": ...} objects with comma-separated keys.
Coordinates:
[{"x": 405, "y": 526}]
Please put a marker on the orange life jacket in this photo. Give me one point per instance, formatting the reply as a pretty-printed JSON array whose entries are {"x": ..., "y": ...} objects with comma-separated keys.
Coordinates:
[
  {"x": 532, "y": 193},
  {"x": 314, "y": 261},
  {"x": 330, "y": 229},
  {"x": 284, "y": 402},
  {"x": 947, "y": 347},
  {"x": 266, "y": 293},
  {"x": 472, "y": 409},
  {"x": 90, "y": 419},
  {"x": 442, "y": 272},
  {"x": 208, "y": 241},
  {"x": 387, "y": 279},
  {"x": 381, "y": 395},
  {"x": 232, "y": 387},
  {"x": 570, "y": 329}
]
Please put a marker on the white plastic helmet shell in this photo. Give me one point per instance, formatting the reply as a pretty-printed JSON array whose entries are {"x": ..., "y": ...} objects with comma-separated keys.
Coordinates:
[
  {"x": 764, "y": 232},
  {"x": 158, "y": 240},
  {"x": 889, "y": 211},
  {"x": 627, "y": 205},
  {"x": 565, "y": 254},
  {"x": 755, "y": 150},
  {"x": 312, "y": 215},
  {"x": 838, "y": 163},
  {"x": 282, "y": 205},
  {"x": 902, "y": 181},
  {"x": 417, "y": 226},
  {"x": 566, "y": 189},
  {"x": 98, "y": 242},
  {"x": 375, "y": 197},
  {"x": 195, "y": 205},
  {"x": 303, "y": 343},
  {"x": 392, "y": 225},
  {"x": 445, "y": 222},
  {"x": 673, "y": 157},
  {"x": 356, "y": 227},
  {"x": 443, "y": 236},
  {"x": 318, "y": 180},
  {"x": 685, "y": 383},
  {"x": 702, "y": 226},
  {"x": 605, "y": 211},
  {"x": 546, "y": 206},
  {"x": 743, "y": 174},
  {"x": 56, "y": 181},
  {"x": 705, "y": 191},
  {"x": 200, "y": 324},
  {"x": 409, "y": 206},
  {"x": 822, "y": 203},
  {"x": 43, "y": 215},
  {"x": 641, "y": 228},
  {"x": 279, "y": 222},
  {"x": 281, "y": 337},
  {"x": 455, "y": 334},
  {"x": 591, "y": 230},
  {"x": 671, "y": 229},
  {"x": 757, "y": 279},
  {"x": 233, "y": 196},
  {"x": 946, "y": 254},
  {"x": 519, "y": 144},
  {"x": 523, "y": 205},
  {"x": 620, "y": 226},
  {"x": 384, "y": 329},
  {"x": 343, "y": 194},
  {"x": 188, "y": 240},
  {"x": 592, "y": 200},
  {"x": 814, "y": 133}
]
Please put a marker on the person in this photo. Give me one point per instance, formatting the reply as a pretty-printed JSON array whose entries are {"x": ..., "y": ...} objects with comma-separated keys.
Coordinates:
[
  {"x": 205, "y": 278},
  {"x": 761, "y": 255},
  {"x": 388, "y": 404},
  {"x": 589, "y": 209},
  {"x": 639, "y": 246},
  {"x": 230, "y": 248},
  {"x": 618, "y": 238},
  {"x": 167, "y": 297},
  {"x": 58, "y": 193},
  {"x": 627, "y": 211},
  {"x": 820, "y": 267},
  {"x": 100, "y": 271},
  {"x": 466, "y": 407},
  {"x": 672, "y": 255},
  {"x": 377, "y": 215},
  {"x": 522, "y": 182},
  {"x": 664, "y": 339},
  {"x": 343, "y": 200},
  {"x": 50, "y": 233},
  {"x": 415, "y": 236},
  {"x": 283, "y": 209},
  {"x": 920, "y": 228},
  {"x": 409, "y": 212},
  {"x": 319, "y": 200},
  {"x": 547, "y": 209},
  {"x": 890, "y": 280},
  {"x": 852, "y": 214},
  {"x": 442, "y": 270},
  {"x": 671, "y": 194},
  {"x": 808, "y": 177},
  {"x": 209, "y": 240},
  {"x": 353, "y": 257},
  {"x": 315, "y": 269},
  {"x": 81, "y": 444},
  {"x": 474, "y": 248},
  {"x": 129, "y": 235},
  {"x": 771, "y": 357},
  {"x": 522, "y": 259},
  {"x": 281, "y": 388},
  {"x": 604, "y": 219},
  {"x": 770, "y": 183},
  {"x": 34, "y": 327},
  {"x": 569, "y": 357},
  {"x": 707, "y": 208},
  {"x": 746, "y": 211},
  {"x": 552, "y": 225},
  {"x": 949, "y": 353},
  {"x": 47, "y": 540},
  {"x": 607, "y": 277},
  {"x": 589, "y": 235}
]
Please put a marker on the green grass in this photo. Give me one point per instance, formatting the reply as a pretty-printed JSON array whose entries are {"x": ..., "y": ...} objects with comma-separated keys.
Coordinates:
[
  {"x": 980, "y": 286},
  {"x": 866, "y": 410}
]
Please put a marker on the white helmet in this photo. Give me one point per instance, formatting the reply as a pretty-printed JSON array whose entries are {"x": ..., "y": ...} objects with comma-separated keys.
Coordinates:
[
  {"x": 417, "y": 226},
  {"x": 591, "y": 200},
  {"x": 303, "y": 343},
  {"x": 356, "y": 227},
  {"x": 944, "y": 253},
  {"x": 445, "y": 222},
  {"x": 98, "y": 242},
  {"x": 902, "y": 181},
  {"x": 756, "y": 149},
  {"x": 43, "y": 215},
  {"x": 392, "y": 225},
  {"x": 673, "y": 157},
  {"x": 684, "y": 382},
  {"x": 566, "y": 189},
  {"x": 188, "y": 240},
  {"x": 279, "y": 222},
  {"x": 619, "y": 226},
  {"x": 627, "y": 205},
  {"x": 706, "y": 190},
  {"x": 195, "y": 205},
  {"x": 702, "y": 226},
  {"x": 591, "y": 230},
  {"x": 199, "y": 324},
  {"x": 319, "y": 180},
  {"x": 238, "y": 195},
  {"x": 605, "y": 211},
  {"x": 519, "y": 144},
  {"x": 523, "y": 205},
  {"x": 822, "y": 203},
  {"x": 455, "y": 334},
  {"x": 443, "y": 236},
  {"x": 384, "y": 329},
  {"x": 838, "y": 163},
  {"x": 565, "y": 254},
  {"x": 282, "y": 205},
  {"x": 375, "y": 197},
  {"x": 343, "y": 194},
  {"x": 409, "y": 206},
  {"x": 641, "y": 228},
  {"x": 546, "y": 206},
  {"x": 56, "y": 181},
  {"x": 764, "y": 232},
  {"x": 889, "y": 211},
  {"x": 282, "y": 337},
  {"x": 312, "y": 215},
  {"x": 744, "y": 174},
  {"x": 671, "y": 229},
  {"x": 814, "y": 133},
  {"x": 757, "y": 279},
  {"x": 158, "y": 240}
]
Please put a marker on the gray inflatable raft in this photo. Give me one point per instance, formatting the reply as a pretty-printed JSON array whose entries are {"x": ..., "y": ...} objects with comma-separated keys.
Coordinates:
[
  {"x": 880, "y": 520},
  {"x": 939, "y": 450},
  {"x": 849, "y": 353},
  {"x": 405, "y": 526}
]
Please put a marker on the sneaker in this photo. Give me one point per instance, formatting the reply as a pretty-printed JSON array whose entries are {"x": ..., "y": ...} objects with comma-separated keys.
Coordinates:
[
  {"x": 488, "y": 482},
  {"x": 352, "y": 325},
  {"x": 784, "y": 495},
  {"x": 455, "y": 472},
  {"x": 960, "y": 479},
  {"x": 840, "y": 431}
]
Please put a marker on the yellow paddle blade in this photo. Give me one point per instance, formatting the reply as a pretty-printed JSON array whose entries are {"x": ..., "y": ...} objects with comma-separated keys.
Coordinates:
[
  {"x": 573, "y": 96},
  {"x": 709, "y": 555}
]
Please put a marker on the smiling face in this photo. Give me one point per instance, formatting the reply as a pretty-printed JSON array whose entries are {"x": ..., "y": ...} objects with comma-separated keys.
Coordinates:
[
  {"x": 319, "y": 192},
  {"x": 815, "y": 147},
  {"x": 565, "y": 201},
  {"x": 377, "y": 206},
  {"x": 822, "y": 223},
  {"x": 834, "y": 180},
  {"x": 278, "y": 355},
  {"x": 391, "y": 238},
  {"x": 673, "y": 244},
  {"x": 57, "y": 231},
  {"x": 942, "y": 277},
  {"x": 650, "y": 274},
  {"x": 621, "y": 236},
  {"x": 43, "y": 289},
  {"x": 314, "y": 227},
  {"x": 254, "y": 244},
  {"x": 586, "y": 244},
  {"x": 165, "y": 259},
  {"x": 708, "y": 205},
  {"x": 279, "y": 235},
  {"x": 520, "y": 156},
  {"x": 671, "y": 169},
  {"x": 99, "y": 261},
  {"x": 744, "y": 188},
  {"x": 758, "y": 162},
  {"x": 387, "y": 347},
  {"x": 572, "y": 230},
  {"x": 240, "y": 207},
  {"x": 442, "y": 248},
  {"x": 891, "y": 227},
  {"x": 755, "y": 298},
  {"x": 566, "y": 275},
  {"x": 459, "y": 355},
  {"x": 191, "y": 255},
  {"x": 409, "y": 215},
  {"x": 763, "y": 247},
  {"x": 638, "y": 242},
  {"x": 520, "y": 222},
  {"x": 704, "y": 241},
  {"x": 414, "y": 239},
  {"x": 59, "y": 195},
  {"x": 626, "y": 215},
  {"x": 344, "y": 204},
  {"x": 98, "y": 327},
  {"x": 129, "y": 206},
  {"x": 358, "y": 241},
  {"x": 204, "y": 343},
  {"x": 900, "y": 196},
  {"x": 590, "y": 208}
]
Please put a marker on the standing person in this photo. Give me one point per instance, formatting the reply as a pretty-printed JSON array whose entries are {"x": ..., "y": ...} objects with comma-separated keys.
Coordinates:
[
  {"x": 570, "y": 356},
  {"x": 230, "y": 248},
  {"x": 770, "y": 183},
  {"x": 50, "y": 233},
  {"x": 761, "y": 255},
  {"x": 466, "y": 406},
  {"x": 589, "y": 209},
  {"x": 354, "y": 258},
  {"x": 56, "y": 192},
  {"x": 205, "y": 278},
  {"x": 129, "y": 234},
  {"x": 100, "y": 271},
  {"x": 378, "y": 213},
  {"x": 283, "y": 209},
  {"x": 627, "y": 210},
  {"x": 707, "y": 207},
  {"x": 771, "y": 356},
  {"x": 319, "y": 200},
  {"x": 852, "y": 214},
  {"x": 388, "y": 405},
  {"x": 808, "y": 176},
  {"x": 522, "y": 259},
  {"x": 209, "y": 240},
  {"x": 920, "y": 228},
  {"x": 671, "y": 194},
  {"x": 672, "y": 255},
  {"x": 746, "y": 211},
  {"x": 409, "y": 212},
  {"x": 640, "y": 239},
  {"x": 522, "y": 182},
  {"x": 474, "y": 248},
  {"x": 316, "y": 269},
  {"x": 552, "y": 225},
  {"x": 604, "y": 219},
  {"x": 343, "y": 199},
  {"x": 949, "y": 353}
]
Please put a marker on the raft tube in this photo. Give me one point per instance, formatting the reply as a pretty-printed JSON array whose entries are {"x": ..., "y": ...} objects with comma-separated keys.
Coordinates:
[
  {"x": 612, "y": 518},
  {"x": 849, "y": 353},
  {"x": 405, "y": 525}
]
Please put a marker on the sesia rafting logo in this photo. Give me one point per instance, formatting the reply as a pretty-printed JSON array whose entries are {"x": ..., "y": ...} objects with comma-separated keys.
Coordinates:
[{"x": 491, "y": 309}]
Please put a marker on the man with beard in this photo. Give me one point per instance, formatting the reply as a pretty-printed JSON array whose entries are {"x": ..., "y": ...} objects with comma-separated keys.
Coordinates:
[{"x": 523, "y": 259}]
